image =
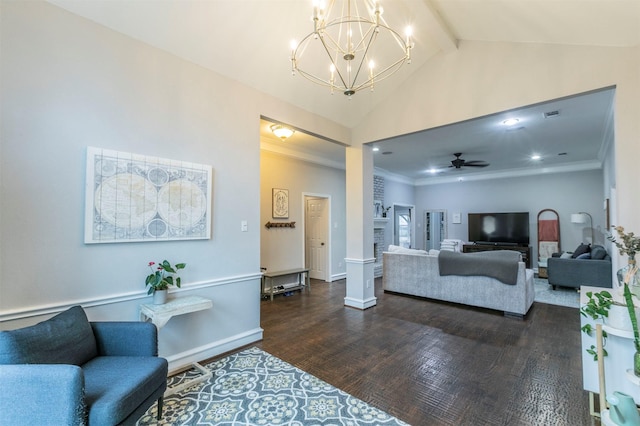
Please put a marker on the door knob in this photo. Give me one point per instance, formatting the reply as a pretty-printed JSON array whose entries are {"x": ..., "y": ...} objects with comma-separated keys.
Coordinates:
[{"x": 321, "y": 244}]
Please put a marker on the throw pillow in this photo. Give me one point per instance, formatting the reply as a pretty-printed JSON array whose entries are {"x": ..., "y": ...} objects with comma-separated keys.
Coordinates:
[
  {"x": 566, "y": 255},
  {"x": 598, "y": 253},
  {"x": 67, "y": 338},
  {"x": 584, "y": 256},
  {"x": 582, "y": 248}
]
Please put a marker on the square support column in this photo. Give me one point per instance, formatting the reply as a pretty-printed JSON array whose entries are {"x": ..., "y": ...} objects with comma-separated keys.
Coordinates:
[{"x": 360, "y": 259}]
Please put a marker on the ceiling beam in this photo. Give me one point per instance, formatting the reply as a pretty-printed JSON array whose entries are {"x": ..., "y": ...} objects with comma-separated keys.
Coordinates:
[{"x": 438, "y": 28}]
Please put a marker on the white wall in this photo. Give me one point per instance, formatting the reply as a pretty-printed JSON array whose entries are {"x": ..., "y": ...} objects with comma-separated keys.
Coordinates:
[
  {"x": 282, "y": 248},
  {"x": 66, "y": 84}
]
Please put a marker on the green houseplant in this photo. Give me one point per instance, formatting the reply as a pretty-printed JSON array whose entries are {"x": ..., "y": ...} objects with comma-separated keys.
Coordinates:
[
  {"x": 597, "y": 307},
  {"x": 628, "y": 297},
  {"x": 163, "y": 276}
]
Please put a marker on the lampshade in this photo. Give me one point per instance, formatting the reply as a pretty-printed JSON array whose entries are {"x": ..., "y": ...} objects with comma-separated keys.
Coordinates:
[
  {"x": 578, "y": 218},
  {"x": 283, "y": 132}
]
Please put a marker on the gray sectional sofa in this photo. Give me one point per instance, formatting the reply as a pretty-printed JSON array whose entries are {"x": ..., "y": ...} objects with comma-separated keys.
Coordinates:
[{"x": 418, "y": 274}]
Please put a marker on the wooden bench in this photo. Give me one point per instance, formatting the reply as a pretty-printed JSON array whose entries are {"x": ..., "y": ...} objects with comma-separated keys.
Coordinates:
[{"x": 274, "y": 274}]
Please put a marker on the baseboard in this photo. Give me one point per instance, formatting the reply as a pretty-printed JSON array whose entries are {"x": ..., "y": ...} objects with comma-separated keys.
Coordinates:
[
  {"x": 180, "y": 361},
  {"x": 338, "y": 277},
  {"x": 359, "y": 303}
]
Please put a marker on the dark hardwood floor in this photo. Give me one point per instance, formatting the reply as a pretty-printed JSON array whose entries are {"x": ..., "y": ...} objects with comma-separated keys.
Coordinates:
[{"x": 435, "y": 363}]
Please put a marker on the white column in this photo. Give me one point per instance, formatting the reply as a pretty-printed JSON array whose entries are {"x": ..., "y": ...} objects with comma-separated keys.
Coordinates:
[{"x": 360, "y": 259}]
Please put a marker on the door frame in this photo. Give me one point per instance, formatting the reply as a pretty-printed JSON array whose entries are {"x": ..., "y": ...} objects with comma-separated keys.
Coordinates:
[
  {"x": 412, "y": 212},
  {"x": 327, "y": 197}
]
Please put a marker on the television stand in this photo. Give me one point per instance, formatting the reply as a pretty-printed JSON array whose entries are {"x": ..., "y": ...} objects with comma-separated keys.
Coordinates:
[{"x": 524, "y": 250}]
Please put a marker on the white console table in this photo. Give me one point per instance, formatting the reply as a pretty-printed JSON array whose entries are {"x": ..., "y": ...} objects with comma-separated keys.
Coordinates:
[{"x": 161, "y": 314}]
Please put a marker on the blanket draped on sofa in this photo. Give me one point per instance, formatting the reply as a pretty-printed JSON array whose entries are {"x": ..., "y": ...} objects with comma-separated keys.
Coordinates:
[{"x": 500, "y": 264}]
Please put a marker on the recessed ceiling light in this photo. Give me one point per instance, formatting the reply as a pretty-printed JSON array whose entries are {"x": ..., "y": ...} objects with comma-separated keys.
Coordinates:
[
  {"x": 433, "y": 171},
  {"x": 511, "y": 121},
  {"x": 536, "y": 157},
  {"x": 376, "y": 149}
]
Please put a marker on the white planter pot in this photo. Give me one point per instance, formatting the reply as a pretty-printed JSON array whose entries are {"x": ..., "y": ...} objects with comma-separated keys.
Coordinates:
[
  {"x": 160, "y": 297},
  {"x": 619, "y": 318}
]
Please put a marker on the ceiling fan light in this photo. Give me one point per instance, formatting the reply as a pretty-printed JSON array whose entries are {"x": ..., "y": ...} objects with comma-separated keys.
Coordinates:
[
  {"x": 511, "y": 121},
  {"x": 283, "y": 132}
]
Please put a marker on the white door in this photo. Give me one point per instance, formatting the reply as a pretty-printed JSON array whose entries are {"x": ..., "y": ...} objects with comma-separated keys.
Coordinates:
[{"x": 316, "y": 237}]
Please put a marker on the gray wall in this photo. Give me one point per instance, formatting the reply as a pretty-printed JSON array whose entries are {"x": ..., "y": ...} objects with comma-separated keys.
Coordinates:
[
  {"x": 68, "y": 83},
  {"x": 564, "y": 192}
]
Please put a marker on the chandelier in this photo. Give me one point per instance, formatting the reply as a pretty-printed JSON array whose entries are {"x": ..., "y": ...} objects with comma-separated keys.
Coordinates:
[{"x": 348, "y": 51}]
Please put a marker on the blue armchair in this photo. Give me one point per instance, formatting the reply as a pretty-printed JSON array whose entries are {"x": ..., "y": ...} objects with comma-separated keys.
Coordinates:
[{"x": 69, "y": 371}]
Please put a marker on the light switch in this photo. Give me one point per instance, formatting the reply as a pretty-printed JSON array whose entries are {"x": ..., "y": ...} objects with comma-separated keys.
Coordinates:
[{"x": 243, "y": 226}]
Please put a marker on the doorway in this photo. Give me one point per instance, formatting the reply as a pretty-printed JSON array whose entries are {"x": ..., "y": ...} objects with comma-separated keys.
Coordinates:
[
  {"x": 316, "y": 235},
  {"x": 403, "y": 228},
  {"x": 435, "y": 228}
]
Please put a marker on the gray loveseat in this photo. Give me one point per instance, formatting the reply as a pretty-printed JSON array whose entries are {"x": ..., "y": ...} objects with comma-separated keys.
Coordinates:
[
  {"x": 591, "y": 268},
  {"x": 69, "y": 371},
  {"x": 418, "y": 275}
]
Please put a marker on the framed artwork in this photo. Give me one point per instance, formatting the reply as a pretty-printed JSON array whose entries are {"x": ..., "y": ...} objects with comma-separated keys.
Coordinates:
[
  {"x": 137, "y": 198},
  {"x": 280, "y": 203},
  {"x": 456, "y": 218}
]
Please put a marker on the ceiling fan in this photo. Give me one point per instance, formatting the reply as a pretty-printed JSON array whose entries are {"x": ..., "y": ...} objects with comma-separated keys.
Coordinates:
[{"x": 458, "y": 163}]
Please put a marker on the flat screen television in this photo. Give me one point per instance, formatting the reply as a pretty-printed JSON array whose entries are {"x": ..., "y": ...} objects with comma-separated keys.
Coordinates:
[{"x": 499, "y": 228}]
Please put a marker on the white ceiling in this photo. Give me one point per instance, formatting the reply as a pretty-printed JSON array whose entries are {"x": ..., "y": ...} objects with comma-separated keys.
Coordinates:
[
  {"x": 573, "y": 139},
  {"x": 249, "y": 41}
]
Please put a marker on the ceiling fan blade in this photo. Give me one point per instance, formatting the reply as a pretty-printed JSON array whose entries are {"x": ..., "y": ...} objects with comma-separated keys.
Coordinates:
[{"x": 477, "y": 164}]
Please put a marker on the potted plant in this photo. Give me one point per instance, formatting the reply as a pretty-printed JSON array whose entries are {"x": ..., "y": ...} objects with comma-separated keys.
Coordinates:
[
  {"x": 627, "y": 244},
  {"x": 597, "y": 307},
  {"x": 628, "y": 297},
  {"x": 160, "y": 278}
]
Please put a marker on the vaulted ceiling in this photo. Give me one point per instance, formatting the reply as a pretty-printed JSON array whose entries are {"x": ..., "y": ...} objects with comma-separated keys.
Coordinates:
[{"x": 249, "y": 41}]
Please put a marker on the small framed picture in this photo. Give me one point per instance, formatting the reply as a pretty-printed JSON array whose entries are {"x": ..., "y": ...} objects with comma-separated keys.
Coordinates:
[
  {"x": 280, "y": 203},
  {"x": 456, "y": 218}
]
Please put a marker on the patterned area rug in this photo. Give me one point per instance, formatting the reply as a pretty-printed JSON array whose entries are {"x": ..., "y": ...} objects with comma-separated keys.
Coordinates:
[
  {"x": 562, "y": 296},
  {"x": 253, "y": 387}
]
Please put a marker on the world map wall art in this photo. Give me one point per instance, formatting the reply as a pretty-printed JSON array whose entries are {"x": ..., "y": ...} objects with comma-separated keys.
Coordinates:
[{"x": 133, "y": 198}]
